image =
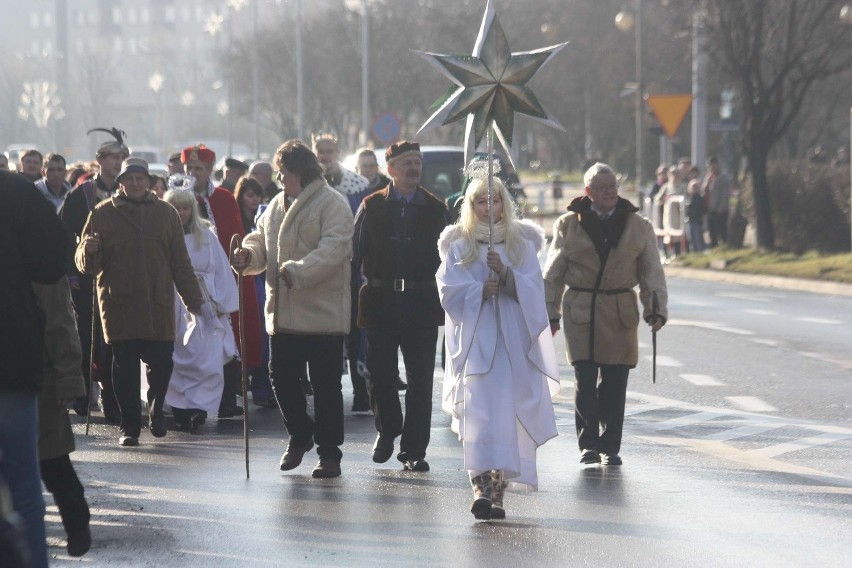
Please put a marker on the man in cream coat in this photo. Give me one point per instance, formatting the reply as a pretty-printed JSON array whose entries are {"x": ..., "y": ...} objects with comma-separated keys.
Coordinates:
[{"x": 304, "y": 243}]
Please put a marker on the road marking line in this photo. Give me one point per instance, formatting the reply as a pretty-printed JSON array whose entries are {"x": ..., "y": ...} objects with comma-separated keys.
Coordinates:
[
  {"x": 751, "y": 404},
  {"x": 703, "y": 380},
  {"x": 843, "y": 363},
  {"x": 742, "y": 432},
  {"x": 665, "y": 361},
  {"x": 819, "y": 320},
  {"x": 761, "y": 312},
  {"x": 800, "y": 444},
  {"x": 769, "y": 342},
  {"x": 711, "y": 325},
  {"x": 689, "y": 420}
]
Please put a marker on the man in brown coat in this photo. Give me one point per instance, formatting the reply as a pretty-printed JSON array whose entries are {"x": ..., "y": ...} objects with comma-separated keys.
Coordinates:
[
  {"x": 134, "y": 245},
  {"x": 601, "y": 250}
]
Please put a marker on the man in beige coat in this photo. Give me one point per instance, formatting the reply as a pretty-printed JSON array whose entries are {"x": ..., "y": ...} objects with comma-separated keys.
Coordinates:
[
  {"x": 134, "y": 245},
  {"x": 601, "y": 250},
  {"x": 304, "y": 243}
]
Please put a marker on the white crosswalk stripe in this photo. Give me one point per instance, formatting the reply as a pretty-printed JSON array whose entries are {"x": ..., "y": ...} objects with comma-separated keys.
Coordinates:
[
  {"x": 800, "y": 444},
  {"x": 819, "y": 320},
  {"x": 741, "y": 432},
  {"x": 751, "y": 404},
  {"x": 688, "y": 420},
  {"x": 665, "y": 361},
  {"x": 702, "y": 380}
]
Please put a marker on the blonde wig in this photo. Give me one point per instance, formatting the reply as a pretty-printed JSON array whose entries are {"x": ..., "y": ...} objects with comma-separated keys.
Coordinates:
[
  {"x": 196, "y": 224},
  {"x": 514, "y": 241}
]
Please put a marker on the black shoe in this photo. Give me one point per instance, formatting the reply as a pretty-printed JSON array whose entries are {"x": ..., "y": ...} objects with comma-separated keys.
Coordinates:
[
  {"x": 231, "y": 411},
  {"x": 80, "y": 542},
  {"x": 326, "y": 467},
  {"x": 589, "y": 457},
  {"x": 382, "y": 449},
  {"x": 128, "y": 441},
  {"x": 415, "y": 465},
  {"x": 610, "y": 459},
  {"x": 360, "y": 405},
  {"x": 196, "y": 419},
  {"x": 293, "y": 456},
  {"x": 401, "y": 385},
  {"x": 157, "y": 424},
  {"x": 481, "y": 509}
]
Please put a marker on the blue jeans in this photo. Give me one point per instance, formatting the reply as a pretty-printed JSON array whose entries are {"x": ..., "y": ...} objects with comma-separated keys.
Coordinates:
[{"x": 19, "y": 467}]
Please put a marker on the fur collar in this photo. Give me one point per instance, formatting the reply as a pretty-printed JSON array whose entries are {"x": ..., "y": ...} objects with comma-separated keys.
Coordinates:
[{"x": 531, "y": 231}]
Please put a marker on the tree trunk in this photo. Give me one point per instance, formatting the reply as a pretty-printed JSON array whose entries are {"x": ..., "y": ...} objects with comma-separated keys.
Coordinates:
[{"x": 762, "y": 196}]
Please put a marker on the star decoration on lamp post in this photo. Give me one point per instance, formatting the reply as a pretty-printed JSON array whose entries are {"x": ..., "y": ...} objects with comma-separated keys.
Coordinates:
[{"x": 492, "y": 85}]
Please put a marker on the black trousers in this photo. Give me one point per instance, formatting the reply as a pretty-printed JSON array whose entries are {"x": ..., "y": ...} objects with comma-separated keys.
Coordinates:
[
  {"x": 717, "y": 223},
  {"x": 61, "y": 480},
  {"x": 324, "y": 356},
  {"x": 599, "y": 405},
  {"x": 82, "y": 300},
  {"x": 418, "y": 345},
  {"x": 359, "y": 384},
  {"x": 157, "y": 356}
]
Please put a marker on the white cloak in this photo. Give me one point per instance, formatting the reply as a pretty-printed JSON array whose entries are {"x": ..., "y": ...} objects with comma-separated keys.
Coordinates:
[
  {"x": 501, "y": 371},
  {"x": 202, "y": 350}
]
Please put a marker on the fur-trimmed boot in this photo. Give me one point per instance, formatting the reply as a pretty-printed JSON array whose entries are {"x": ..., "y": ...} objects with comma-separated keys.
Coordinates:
[
  {"x": 498, "y": 489},
  {"x": 481, "y": 507}
]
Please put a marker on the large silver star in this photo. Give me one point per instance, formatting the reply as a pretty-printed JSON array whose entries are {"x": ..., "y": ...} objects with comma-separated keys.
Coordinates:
[{"x": 492, "y": 85}]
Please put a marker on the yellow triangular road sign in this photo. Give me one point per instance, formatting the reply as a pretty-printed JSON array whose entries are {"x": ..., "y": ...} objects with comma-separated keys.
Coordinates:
[{"x": 670, "y": 110}]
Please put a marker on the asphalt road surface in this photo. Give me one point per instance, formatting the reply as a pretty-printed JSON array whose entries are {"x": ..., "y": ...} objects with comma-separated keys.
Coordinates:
[{"x": 738, "y": 455}]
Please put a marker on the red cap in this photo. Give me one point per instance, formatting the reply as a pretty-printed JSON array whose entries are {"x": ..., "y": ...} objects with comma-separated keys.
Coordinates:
[{"x": 200, "y": 152}]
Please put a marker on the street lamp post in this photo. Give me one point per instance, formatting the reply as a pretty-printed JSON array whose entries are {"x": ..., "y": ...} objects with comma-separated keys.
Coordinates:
[
  {"x": 363, "y": 8},
  {"x": 155, "y": 83},
  {"x": 625, "y": 21},
  {"x": 846, "y": 18}
]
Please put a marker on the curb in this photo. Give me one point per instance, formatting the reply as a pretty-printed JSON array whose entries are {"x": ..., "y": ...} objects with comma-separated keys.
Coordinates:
[{"x": 784, "y": 283}]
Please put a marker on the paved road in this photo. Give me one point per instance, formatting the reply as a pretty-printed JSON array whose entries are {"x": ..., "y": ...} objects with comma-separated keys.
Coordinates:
[{"x": 709, "y": 479}]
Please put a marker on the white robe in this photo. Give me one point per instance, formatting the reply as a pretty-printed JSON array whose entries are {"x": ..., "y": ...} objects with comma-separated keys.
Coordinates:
[
  {"x": 201, "y": 350},
  {"x": 501, "y": 372}
]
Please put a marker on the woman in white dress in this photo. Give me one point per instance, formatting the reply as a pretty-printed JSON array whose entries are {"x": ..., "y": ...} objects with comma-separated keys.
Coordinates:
[
  {"x": 501, "y": 371},
  {"x": 202, "y": 344}
]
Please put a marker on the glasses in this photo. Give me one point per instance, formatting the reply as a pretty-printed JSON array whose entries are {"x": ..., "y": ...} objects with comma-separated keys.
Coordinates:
[{"x": 610, "y": 187}]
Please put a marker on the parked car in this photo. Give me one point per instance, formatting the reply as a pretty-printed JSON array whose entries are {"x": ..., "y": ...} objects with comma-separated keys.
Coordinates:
[{"x": 443, "y": 168}]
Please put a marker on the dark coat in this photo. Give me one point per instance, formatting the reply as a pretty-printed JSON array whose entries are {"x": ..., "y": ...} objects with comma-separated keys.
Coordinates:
[
  {"x": 63, "y": 378},
  {"x": 374, "y": 254},
  {"x": 142, "y": 259},
  {"x": 33, "y": 249}
]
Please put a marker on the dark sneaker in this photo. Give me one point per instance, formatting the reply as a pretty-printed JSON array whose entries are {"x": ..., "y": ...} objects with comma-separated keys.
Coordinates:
[
  {"x": 481, "y": 508},
  {"x": 128, "y": 441},
  {"x": 589, "y": 457},
  {"x": 231, "y": 412},
  {"x": 382, "y": 449},
  {"x": 293, "y": 456},
  {"x": 610, "y": 459},
  {"x": 416, "y": 465},
  {"x": 326, "y": 467}
]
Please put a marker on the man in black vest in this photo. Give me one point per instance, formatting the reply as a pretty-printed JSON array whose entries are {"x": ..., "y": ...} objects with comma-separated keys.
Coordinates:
[{"x": 395, "y": 243}]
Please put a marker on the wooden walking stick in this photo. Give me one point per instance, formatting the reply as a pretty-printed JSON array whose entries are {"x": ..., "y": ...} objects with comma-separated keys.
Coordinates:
[
  {"x": 95, "y": 316},
  {"x": 236, "y": 242}
]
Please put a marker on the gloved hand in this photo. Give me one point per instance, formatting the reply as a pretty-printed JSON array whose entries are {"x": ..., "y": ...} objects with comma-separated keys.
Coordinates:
[{"x": 208, "y": 314}]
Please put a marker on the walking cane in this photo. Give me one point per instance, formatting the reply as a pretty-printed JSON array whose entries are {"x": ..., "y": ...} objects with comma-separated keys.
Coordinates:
[
  {"x": 95, "y": 317},
  {"x": 236, "y": 241},
  {"x": 655, "y": 312},
  {"x": 95, "y": 312}
]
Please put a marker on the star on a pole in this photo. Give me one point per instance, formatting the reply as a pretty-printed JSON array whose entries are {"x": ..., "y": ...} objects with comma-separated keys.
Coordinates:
[{"x": 492, "y": 85}]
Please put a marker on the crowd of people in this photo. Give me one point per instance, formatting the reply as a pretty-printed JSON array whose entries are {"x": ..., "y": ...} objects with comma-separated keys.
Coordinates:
[
  {"x": 338, "y": 270},
  {"x": 701, "y": 215}
]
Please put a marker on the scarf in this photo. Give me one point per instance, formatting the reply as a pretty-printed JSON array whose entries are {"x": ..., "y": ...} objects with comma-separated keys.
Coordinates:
[{"x": 481, "y": 232}]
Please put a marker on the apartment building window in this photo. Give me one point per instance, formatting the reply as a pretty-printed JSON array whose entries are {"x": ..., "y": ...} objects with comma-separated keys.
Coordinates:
[
  {"x": 169, "y": 14},
  {"x": 116, "y": 15},
  {"x": 34, "y": 20}
]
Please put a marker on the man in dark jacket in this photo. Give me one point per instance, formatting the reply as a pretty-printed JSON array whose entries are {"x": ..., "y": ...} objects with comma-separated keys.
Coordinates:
[
  {"x": 395, "y": 243},
  {"x": 78, "y": 203},
  {"x": 33, "y": 248}
]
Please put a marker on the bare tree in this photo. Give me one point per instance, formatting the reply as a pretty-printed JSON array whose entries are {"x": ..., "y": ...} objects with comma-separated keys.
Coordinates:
[{"x": 775, "y": 52}]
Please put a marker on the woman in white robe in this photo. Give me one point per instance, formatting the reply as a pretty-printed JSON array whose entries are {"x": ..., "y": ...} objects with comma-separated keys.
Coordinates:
[
  {"x": 501, "y": 372},
  {"x": 202, "y": 344}
]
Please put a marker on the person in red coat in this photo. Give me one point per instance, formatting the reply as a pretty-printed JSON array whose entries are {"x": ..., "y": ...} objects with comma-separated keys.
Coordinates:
[{"x": 218, "y": 206}]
